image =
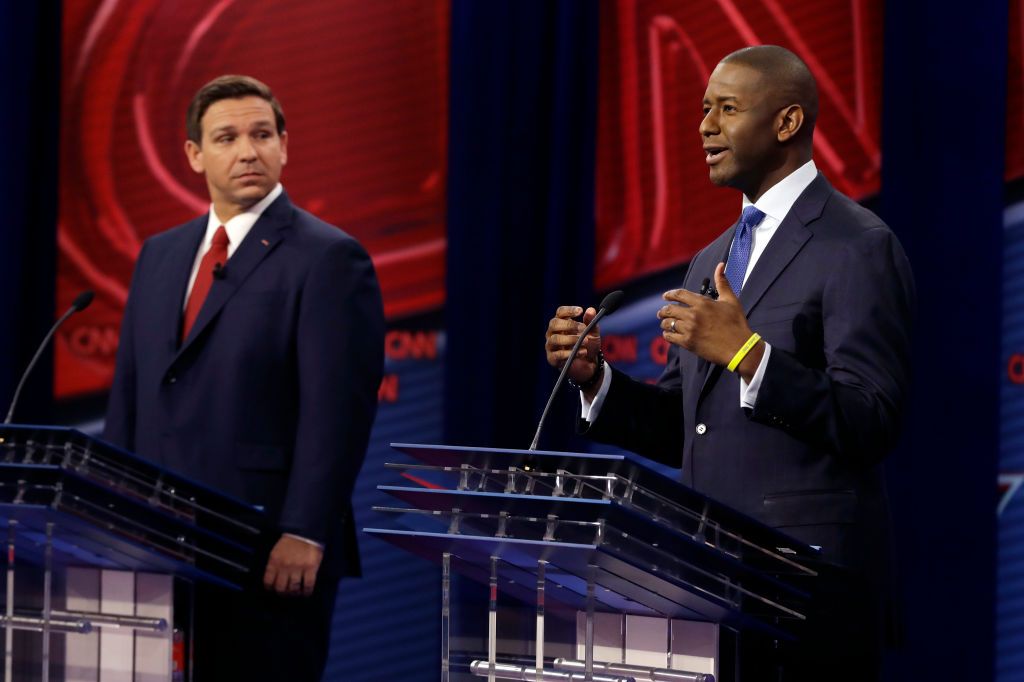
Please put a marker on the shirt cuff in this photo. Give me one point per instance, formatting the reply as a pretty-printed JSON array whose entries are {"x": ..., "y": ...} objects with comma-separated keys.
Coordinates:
[
  {"x": 748, "y": 392},
  {"x": 590, "y": 410},
  {"x": 306, "y": 540}
]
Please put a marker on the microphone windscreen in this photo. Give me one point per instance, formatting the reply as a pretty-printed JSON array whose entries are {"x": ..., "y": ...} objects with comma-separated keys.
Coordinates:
[
  {"x": 612, "y": 302},
  {"x": 82, "y": 301}
]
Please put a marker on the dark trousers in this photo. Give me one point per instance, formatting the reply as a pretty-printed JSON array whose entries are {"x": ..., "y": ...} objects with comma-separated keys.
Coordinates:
[
  {"x": 841, "y": 641},
  {"x": 255, "y": 634}
]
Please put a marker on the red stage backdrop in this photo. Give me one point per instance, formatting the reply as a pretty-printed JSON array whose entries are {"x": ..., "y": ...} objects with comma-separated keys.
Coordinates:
[
  {"x": 364, "y": 86},
  {"x": 655, "y": 205}
]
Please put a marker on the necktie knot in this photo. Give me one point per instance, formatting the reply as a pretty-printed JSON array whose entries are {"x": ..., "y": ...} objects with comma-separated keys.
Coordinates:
[
  {"x": 751, "y": 217},
  {"x": 220, "y": 238}
]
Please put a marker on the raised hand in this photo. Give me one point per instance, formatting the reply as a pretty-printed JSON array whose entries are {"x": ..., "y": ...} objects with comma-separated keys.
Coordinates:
[
  {"x": 713, "y": 330},
  {"x": 563, "y": 330}
]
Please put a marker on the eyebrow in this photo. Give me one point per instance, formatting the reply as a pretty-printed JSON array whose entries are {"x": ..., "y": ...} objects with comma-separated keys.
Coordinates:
[
  {"x": 723, "y": 98},
  {"x": 231, "y": 128}
]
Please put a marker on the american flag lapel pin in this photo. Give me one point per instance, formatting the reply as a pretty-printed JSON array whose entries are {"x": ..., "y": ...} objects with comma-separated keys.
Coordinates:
[{"x": 264, "y": 242}]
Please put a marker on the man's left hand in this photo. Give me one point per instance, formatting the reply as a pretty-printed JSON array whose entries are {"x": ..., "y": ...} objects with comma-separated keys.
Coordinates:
[
  {"x": 713, "y": 330},
  {"x": 292, "y": 567}
]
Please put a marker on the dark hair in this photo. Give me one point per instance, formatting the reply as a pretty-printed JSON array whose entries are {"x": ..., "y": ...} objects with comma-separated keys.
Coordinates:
[{"x": 227, "y": 87}]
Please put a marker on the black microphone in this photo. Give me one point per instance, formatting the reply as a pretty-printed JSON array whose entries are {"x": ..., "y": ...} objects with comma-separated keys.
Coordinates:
[
  {"x": 220, "y": 271},
  {"x": 707, "y": 290},
  {"x": 80, "y": 303},
  {"x": 609, "y": 305}
]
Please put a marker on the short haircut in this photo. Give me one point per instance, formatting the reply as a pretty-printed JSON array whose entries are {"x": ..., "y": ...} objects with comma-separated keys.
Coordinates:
[
  {"x": 227, "y": 87},
  {"x": 789, "y": 75}
]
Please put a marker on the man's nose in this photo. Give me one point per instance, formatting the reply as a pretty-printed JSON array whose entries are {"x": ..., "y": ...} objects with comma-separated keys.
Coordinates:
[
  {"x": 246, "y": 149},
  {"x": 708, "y": 125}
]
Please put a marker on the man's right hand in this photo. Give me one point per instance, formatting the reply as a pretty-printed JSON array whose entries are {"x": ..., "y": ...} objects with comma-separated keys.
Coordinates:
[{"x": 563, "y": 331}]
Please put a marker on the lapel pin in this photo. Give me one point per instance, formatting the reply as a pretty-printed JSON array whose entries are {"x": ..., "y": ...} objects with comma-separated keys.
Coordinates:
[{"x": 264, "y": 242}]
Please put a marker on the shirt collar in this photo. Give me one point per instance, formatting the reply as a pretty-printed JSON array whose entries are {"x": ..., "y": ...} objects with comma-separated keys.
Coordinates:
[
  {"x": 239, "y": 226},
  {"x": 780, "y": 197}
]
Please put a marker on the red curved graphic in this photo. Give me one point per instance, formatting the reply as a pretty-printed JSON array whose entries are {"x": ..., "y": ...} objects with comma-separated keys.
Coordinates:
[
  {"x": 364, "y": 87},
  {"x": 655, "y": 206}
]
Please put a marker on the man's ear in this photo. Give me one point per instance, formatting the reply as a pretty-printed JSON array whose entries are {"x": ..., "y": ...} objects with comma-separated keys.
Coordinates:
[
  {"x": 789, "y": 122},
  {"x": 284, "y": 147},
  {"x": 195, "y": 156}
]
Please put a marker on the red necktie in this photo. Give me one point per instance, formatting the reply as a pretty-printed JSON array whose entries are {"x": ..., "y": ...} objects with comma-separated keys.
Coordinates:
[{"x": 214, "y": 259}]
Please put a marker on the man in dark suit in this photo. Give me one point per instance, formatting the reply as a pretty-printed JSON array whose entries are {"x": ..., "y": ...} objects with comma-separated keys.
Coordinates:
[
  {"x": 787, "y": 425},
  {"x": 250, "y": 356}
]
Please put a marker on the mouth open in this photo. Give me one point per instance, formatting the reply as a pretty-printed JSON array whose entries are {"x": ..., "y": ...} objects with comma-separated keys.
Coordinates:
[{"x": 714, "y": 154}]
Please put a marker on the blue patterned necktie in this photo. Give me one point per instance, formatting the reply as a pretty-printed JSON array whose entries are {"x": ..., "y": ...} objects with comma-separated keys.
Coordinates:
[{"x": 739, "y": 253}]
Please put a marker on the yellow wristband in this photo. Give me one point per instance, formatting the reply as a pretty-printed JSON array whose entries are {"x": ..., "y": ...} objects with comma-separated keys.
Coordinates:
[{"x": 742, "y": 352}]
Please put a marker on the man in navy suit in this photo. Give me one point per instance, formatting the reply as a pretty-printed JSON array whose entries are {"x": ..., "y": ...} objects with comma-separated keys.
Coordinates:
[
  {"x": 250, "y": 356},
  {"x": 787, "y": 425}
]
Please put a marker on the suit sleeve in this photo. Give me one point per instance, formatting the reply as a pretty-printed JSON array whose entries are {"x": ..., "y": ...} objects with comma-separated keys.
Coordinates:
[
  {"x": 119, "y": 427},
  {"x": 340, "y": 359},
  {"x": 853, "y": 407},
  {"x": 643, "y": 418}
]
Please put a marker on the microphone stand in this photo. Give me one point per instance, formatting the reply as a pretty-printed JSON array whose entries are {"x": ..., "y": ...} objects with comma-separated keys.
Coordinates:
[
  {"x": 609, "y": 304},
  {"x": 81, "y": 302}
]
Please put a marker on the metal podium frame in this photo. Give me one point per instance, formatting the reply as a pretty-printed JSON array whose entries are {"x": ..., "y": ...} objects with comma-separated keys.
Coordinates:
[
  {"x": 598, "y": 534},
  {"x": 68, "y": 500}
]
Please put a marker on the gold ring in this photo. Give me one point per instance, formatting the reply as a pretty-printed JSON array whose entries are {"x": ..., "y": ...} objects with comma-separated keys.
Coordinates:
[{"x": 673, "y": 326}]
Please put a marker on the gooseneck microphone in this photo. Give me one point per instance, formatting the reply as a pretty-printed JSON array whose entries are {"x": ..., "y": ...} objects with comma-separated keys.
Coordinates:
[
  {"x": 609, "y": 305},
  {"x": 80, "y": 303}
]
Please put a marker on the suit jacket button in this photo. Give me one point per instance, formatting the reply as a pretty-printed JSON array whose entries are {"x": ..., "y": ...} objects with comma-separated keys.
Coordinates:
[
  {"x": 701, "y": 429},
  {"x": 172, "y": 377}
]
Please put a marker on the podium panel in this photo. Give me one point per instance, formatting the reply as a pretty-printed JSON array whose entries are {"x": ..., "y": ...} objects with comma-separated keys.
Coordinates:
[
  {"x": 566, "y": 541},
  {"x": 95, "y": 538}
]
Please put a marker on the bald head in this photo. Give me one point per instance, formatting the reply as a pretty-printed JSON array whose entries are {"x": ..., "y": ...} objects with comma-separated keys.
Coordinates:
[
  {"x": 759, "y": 110},
  {"x": 786, "y": 78}
]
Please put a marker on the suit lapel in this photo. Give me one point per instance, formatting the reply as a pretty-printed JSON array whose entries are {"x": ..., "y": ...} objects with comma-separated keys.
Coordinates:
[
  {"x": 717, "y": 252},
  {"x": 784, "y": 246},
  {"x": 786, "y": 243},
  {"x": 257, "y": 245},
  {"x": 176, "y": 275}
]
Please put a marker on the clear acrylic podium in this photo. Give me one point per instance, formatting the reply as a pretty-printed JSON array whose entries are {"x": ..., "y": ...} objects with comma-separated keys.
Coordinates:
[
  {"x": 94, "y": 538},
  {"x": 594, "y": 567}
]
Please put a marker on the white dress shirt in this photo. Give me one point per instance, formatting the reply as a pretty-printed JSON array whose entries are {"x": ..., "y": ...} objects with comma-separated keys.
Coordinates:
[
  {"x": 236, "y": 228},
  {"x": 775, "y": 204}
]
